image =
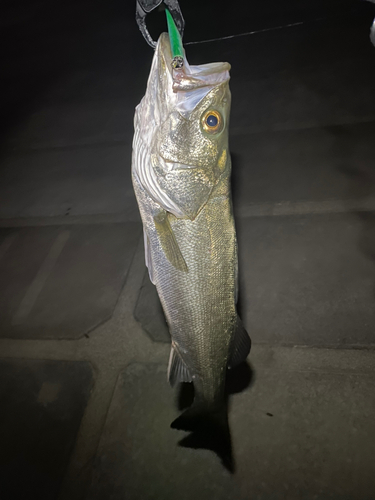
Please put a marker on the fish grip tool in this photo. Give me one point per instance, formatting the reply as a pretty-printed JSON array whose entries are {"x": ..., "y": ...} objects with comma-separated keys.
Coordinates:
[{"x": 144, "y": 7}]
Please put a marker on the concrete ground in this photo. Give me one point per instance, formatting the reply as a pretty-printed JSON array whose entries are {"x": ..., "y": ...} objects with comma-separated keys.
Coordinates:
[{"x": 86, "y": 407}]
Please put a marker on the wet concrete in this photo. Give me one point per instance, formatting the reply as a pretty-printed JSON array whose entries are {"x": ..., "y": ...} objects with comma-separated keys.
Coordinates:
[
  {"x": 62, "y": 282},
  {"x": 42, "y": 406},
  {"x": 293, "y": 414}
]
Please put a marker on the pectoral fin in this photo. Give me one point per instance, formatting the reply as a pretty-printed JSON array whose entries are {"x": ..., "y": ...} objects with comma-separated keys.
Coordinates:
[
  {"x": 240, "y": 347},
  {"x": 148, "y": 257},
  {"x": 177, "y": 370},
  {"x": 168, "y": 241}
]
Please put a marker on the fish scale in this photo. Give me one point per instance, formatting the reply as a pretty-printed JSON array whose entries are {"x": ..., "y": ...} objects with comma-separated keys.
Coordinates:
[
  {"x": 181, "y": 177},
  {"x": 199, "y": 305}
]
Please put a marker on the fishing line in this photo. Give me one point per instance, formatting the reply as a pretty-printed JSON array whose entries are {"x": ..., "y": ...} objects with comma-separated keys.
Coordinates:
[
  {"x": 274, "y": 28},
  {"x": 246, "y": 33}
]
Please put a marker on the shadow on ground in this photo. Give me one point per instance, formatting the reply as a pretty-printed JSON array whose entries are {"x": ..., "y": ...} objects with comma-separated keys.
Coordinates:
[{"x": 212, "y": 431}]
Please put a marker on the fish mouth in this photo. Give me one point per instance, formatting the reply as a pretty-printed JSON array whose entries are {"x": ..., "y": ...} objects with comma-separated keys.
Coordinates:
[
  {"x": 190, "y": 79},
  {"x": 187, "y": 86}
]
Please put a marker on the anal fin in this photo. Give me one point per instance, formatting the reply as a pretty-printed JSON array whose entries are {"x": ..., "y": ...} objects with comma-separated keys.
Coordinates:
[
  {"x": 168, "y": 241},
  {"x": 177, "y": 370},
  {"x": 241, "y": 346}
]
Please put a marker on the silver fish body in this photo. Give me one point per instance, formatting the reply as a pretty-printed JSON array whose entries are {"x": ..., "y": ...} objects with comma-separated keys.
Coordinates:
[{"x": 181, "y": 177}]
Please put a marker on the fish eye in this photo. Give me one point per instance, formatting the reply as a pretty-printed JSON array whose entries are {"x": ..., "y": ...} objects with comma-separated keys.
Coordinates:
[{"x": 212, "y": 121}]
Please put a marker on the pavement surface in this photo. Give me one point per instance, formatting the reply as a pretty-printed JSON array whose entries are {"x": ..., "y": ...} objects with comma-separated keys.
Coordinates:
[{"x": 85, "y": 405}]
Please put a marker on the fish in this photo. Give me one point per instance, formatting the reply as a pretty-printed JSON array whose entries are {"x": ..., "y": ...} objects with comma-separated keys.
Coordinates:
[
  {"x": 181, "y": 170},
  {"x": 372, "y": 28}
]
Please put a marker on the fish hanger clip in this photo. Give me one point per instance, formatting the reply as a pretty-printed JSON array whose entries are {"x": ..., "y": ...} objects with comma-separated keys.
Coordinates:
[{"x": 144, "y": 7}]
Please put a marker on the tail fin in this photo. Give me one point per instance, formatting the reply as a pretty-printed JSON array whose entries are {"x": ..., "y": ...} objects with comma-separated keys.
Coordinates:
[{"x": 209, "y": 430}]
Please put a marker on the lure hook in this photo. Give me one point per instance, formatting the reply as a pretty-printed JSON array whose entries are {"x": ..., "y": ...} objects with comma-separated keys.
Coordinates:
[{"x": 144, "y": 7}]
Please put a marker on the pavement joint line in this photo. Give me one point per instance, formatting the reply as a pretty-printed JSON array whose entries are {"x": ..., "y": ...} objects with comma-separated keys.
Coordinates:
[
  {"x": 72, "y": 350},
  {"x": 69, "y": 220},
  {"x": 111, "y": 338},
  {"x": 114, "y": 345},
  {"x": 331, "y": 371},
  {"x": 119, "y": 140},
  {"x": 292, "y": 127},
  {"x": 33, "y": 292},
  {"x": 53, "y": 350},
  {"x": 78, "y": 474},
  {"x": 323, "y": 207},
  {"x": 59, "y": 146},
  {"x": 110, "y": 348},
  {"x": 266, "y": 209}
]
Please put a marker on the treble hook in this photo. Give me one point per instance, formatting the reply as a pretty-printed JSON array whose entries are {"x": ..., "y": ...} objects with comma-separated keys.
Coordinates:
[{"x": 144, "y": 7}]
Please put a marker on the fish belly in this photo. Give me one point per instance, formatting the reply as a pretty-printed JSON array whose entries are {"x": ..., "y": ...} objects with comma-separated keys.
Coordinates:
[{"x": 199, "y": 304}]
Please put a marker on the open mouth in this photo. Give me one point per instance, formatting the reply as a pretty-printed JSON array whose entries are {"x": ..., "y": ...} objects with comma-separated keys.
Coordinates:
[{"x": 192, "y": 83}]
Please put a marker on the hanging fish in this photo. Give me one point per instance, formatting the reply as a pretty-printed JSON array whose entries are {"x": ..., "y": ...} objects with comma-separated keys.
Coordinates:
[{"x": 181, "y": 175}]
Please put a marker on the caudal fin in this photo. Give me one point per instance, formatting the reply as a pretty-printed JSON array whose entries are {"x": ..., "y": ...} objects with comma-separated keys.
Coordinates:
[{"x": 209, "y": 430}]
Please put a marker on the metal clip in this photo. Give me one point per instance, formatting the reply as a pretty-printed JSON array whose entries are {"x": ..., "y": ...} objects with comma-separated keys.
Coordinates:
[{"x": 144, "y": 7}]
